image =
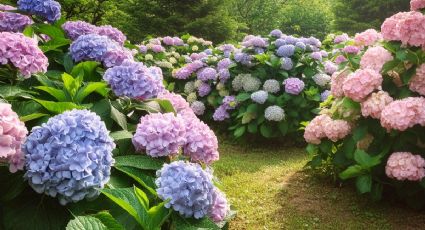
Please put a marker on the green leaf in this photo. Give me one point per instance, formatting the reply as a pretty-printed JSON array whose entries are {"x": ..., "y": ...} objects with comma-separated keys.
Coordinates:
[
  {"x": 139, "y": 161},
  {"x": 119, "y": 117},
  {"x": 32, "y": 116},
  {"x": 252, "y": 108},
  {"x": 312, "y": 149},
  {"x": 364, "y": 183},
  {"x": 44, "y": 80},
  {"x": 121, "y": 135},
  {"x": 86, "y": 69},
  {"x": 158, "y": 215},
  {"x": 141, "y": 196},
  {"x": 243, "y": 97},
  {"x": 352, "y": 171},
  {"x": 283, "y": 127},
  {"x": 70, "y": 84},
  {"x": 248, "y": 117},
  {"x": 137, "y": 174},
  {"x": 50, "y": 30},
  {"x": 54, "y": 44},
  {"x": 68, "y": 63},
  {"x": 350, "y": 104},
  {"x": 28, "y": 31},
  {"x": 9, "y": 91},
  {"x": 109, "y": 221},
  {"x": 181, "y": 223},
  {"x": 58, "y": 107},
  {"x": 56, "y": 93},
  {"x": 366, "y": 161},
  {"x": 127, "y": 200},
  {"x": 376, "y": 192},
  {"x": 266, "y": 130},
  {"x": 88, "y": 89},
  {"x": 166, "y": 106},
  {"x": 360, "y": 132},
  {"x": 239, "y": 131},
  {"x": 253, "y": 127},
  {"x": 12, "y": 184},
  {"x": 390, "y": 65},
  {"x": 86, "y": 222}
]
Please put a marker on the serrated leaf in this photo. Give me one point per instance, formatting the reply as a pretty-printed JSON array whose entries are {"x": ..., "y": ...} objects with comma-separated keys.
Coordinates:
[
  {"x": 58, "y": 107},
  {"x": 166, "y": 106},
  {"x": 366, "y": 161},
  {"x": 109, "y": 221},
  {"x": 139, "y": 161},
  {"x": 119, "y": 117},
  {"x": 239, "y": 131},
  {"x": 86, "y": 222},
  {"x": 137, "y": 174},
  {"x": 243, "y": 97},
  {"x": 9, "y": 91},
  {"x": 32, "y": 116}
]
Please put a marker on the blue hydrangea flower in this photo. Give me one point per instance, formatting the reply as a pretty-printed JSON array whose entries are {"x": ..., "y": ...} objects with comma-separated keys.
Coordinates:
[
  {"x": 280, "y": 42},
  {"x": 206, "y": 74},
  {"x": 69, "y": 157},
  {"x": 259, "y": 97},
  {"x": 286, "y": 51},
  {"x": 135, "y": 80},
  {"x": 324, "y": 95},
  {"x": 48, "y": 9},
  {"x": 92, "y": 47},
  {"x": 243, "y": 58},
  {"x": 287, "y": 63},
  {"x": 276, "y": 33},
  {"x": 204, "y": 89},
  {"x": 300, "y": 45},
  {"x": 188, "y": 188},
  {"x": 221, "y": 114}
]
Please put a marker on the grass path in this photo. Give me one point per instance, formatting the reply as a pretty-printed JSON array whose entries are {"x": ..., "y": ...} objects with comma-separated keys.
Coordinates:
[{"x": 270, "y": 190}]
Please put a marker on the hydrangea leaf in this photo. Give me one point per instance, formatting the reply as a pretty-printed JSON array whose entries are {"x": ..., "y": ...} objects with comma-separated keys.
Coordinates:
[
  {"x": 139, "y": 161},
  {"x": 86, "y": 222}
]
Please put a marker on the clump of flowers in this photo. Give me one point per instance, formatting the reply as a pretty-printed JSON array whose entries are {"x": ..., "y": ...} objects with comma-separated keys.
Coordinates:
[
  {"x": 321, "y": 79},
  {"x": 92, "y": 47},
  {"x": 417, "y": 83},
  {"x": 72, "y": 149},
  {"x": 367, "y": 38},
  {"x": 47, "y": 9},
  {"x": 274, "y": 113},
  {"x": 374, "y": 58},
  {"x": 361, "y": 83},
  {"x": 13, "y": 22},
  {"x": 403, "y": 114},
  {"x": 293, "y": 85},
  {"x": 160, "y": 134},
  {"x": 135, "y": 80},
  {"x": 75, "y": 29},
  {"x": 188, "y": 188},
  {"x": 12, "y": 136},
  {"x": 405, "y": 166},
  {"x": 23, "y": 53},
  {"x": 374, "y": 105},
  {"x": 198, "y": 107},
  {"x": 271, "y": 86},
  {"x": 259, "y": 97},
  {"x": 220, "y": 207},
  {"x": 201, "y": 144},
  {"x": 417, "y": 5}
]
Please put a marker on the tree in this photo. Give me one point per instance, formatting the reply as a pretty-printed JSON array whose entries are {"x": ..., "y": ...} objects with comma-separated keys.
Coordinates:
[
  {"x": 93, "y": 11},
  {"x": 354, "y": 16}
]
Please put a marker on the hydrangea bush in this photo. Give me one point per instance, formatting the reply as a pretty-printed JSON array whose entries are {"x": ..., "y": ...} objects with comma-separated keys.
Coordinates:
[{"x": 372, "y": 128}]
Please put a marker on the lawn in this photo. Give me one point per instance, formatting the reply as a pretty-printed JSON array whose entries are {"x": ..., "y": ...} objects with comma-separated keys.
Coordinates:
[{"x": 271, "y": 190}]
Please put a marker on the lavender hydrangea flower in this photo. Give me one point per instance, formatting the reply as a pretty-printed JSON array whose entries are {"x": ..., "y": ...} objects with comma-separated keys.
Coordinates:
[
  {"x": 286, "y": 51},
  {"x": 259, "y": 97},
  {"x": 224, "y": 75},
  {"x": 324, "y": 95},
  {"x": 198, "y": 108},
  {"x": 112, "y": 33},
  {"x": 135, "y": 80},
  {"x": 351, "y": 49},
  {"x": 287, "y": 63},
  {"x": 300, "y": 45},
  {"x": 293, "y": 85},
  {"x": 7, "y": 7},
  {"x": 116, "y": 57},
  {"x": 92, "y": 47},
  {"x": 220, "y": 207},
  {"x": 188, "y": 188},
  {"x": 143, "y": 49},
  {"x": 70, "y": 156},
  {"x": 291, "y": 40},
  {"x": 75, "y": 29},
  {"x": 316, "y": 56},
  {"x": 182, "y": 73},
  {"x": 276, "y": 33},
  {"x": 224, "y": 63},
  {"x": 243, "y": 58},
  {"x": 206, "y": 74},
  {"x": 160, "y": 134},
  {"x": 13, "y": 22},
  {"x": 274, "y": 113},
  {"x": 178, "y": 41},
  {"x": 48, "y": 9},
  {"x": 169, "y": 41},
  {"x": 221, "y": 114},
  {"x": 178, "y": 102},
  {"x": 229, "y": 102},
  {"x": 330, "y": 67},
  {"x": 271, "y": 86},
  {"x": 204, "y": 89},
  {"x": 280, "y": 42},
  {"x": 341, "y": 38},
  {"x": 201, "y": 144},
  {"x": 194, "y": 66},
  {"x": 255, "y": 41}
]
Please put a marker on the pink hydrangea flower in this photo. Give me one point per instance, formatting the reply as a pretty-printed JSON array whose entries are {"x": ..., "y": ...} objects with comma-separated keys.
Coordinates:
[
  {"x": 361, "y": 83},
  {"x": 178, "y": 102},
  {"x": 337, "y": 82},
  {"x": 412, "y": 29},
  {"x": 405, "y": 166},
  {"x": 314, "y": 132},
  {"x": 201, "y": 144},
  {"x": 375, "y": 58},
  {"x": 23, "y": 53},
  {"x": 417, "y": 83},
  {"x": 374, "y": 105},
  {"x": 389, "y": 29},
  {"x": 367, "y": 38},
  {"x": 340, "y": 59},
  {"x": 416, "y": 5},
  {"x": 403, "y": 114},
  {"x": 336, "y": 130},
  {"x": 12, "y": 136},
  {"x": 160, "y": 134},
  {"x": 220, "y": 207}
]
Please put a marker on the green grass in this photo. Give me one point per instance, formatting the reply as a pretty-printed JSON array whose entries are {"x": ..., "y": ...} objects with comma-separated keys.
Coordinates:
[{"x": 269, "y": 188}]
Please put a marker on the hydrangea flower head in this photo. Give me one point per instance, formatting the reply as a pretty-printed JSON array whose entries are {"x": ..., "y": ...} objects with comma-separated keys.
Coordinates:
[
  {"x": 178, "y": 102},
  {"x": 340, "y": 59},
  {"x": 351, "y": 49},
  {"x": 375, "y": 58},
  {"x": 276, "y": 33},
  {"x": 330, "y": 67},
  {"x": 293, "y": 85},
  {"x": 251, "y": 84},
  {"x": 12, "y": 136},
  {"x": 367, "y": 38},
  {"x": 374, "y": 105},
  {"x": 23, "y": 53},
  {"x": 116, "y": 57},
  {"x": 314, "y": 131},
  {"x": 220, "y": 207},
  {"x": 337, "y": 130},
  {"x": 324, "y": 95},
  {"x": 7, "y": 7},
  {"x": 416, "y": 5},
  {"x": 182, "y": 73},
  {"x": 47, "y": 9},
  {"x": 286, "y": 51},
  {"x": 189, "y": 87},
  {"x": 279, "y": 42},
  {"x": 271, "y": 86},
  {"x": 361, "y": 83},
  {"x": 411, "y": 29},
  {"x": 237, "y": 83},
  {"x": 341, "y": 38},
  {"x": 316, "y": 55},
  {"x": 274, "y": 113},
  {"x": 405, "y": 166},
  {"x": 92, "y": 47},
  {"x": 75, "y": 29},
  {"x": 201, "y": 144},
  {"x": 224, "y": 63},
  {"x": 206, "y": 74},
  {"x": 13, "y": 22},
  {"x": 160, "y": 134},
  {"x": 403, "y": 114},
  {"x": 70, "y": 156},
  {"x": 198, "y": 107},
  {"x": 112, "y": 33},
  {"x": 204, "y": 89},
  {"x": 322, "y": 79},
  {"x": 417, "y": 82},
  {"x": 221, "y": 114},
  {"x": 259, "y": 97},
  {"x": 337, "y": 82},
  {"x": 287, "y": 63},
  {"x": 135, "y": 80},
  {"x": 188, "y": 188}
]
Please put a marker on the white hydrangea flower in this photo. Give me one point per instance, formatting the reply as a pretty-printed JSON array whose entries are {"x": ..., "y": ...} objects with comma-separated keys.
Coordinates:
[
  {"x": 274, "y": 113},
  {"x": 191, "y": 97},
  {"x": 172, "y": 60},
  {"x": 148, "y": 57},
  {"x": 198, "y": 83},
  {"x": 260, "y": 96},
  {"x": 195, "y": 48},
  {"x": 237, "y": 82},
  {"x": 189, "y": 87},
  {"x": 321, "y": 79},
  {"x": 223, "y": 93},
  {"x": 220, "y": 86},
  {"x": 251, "y": 84},
  {"x": 271, "y": 86},
  {"x": 198, "y": 107}
]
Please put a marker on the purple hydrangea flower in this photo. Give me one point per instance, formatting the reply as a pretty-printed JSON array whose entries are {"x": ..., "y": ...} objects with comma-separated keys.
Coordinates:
[
  {"x": 198, "y": 107},
  {"x": 220, "y": 207},
  {"x": 157, "y": 48},
  {"x": 286, "y": 51},
  {"x": 169, "y": 41},
  {"x": 188, "y": 188},
  {"x": 229, "y": 102},
  {"x": 324, "y": 95},
  {"x": 223, "y": 75},
  {"x": 135, "y": 80},
  {"x": 13, "y": 22},
  {"x": 300, "y": 45},
  {"x": 243, "y": 58},
  {"x": 92, "y": 47},
  {"x": 143, "y": 49},
  {"x": 260, "y": 96},
  {"x": 330, "y": 67},
  {"x": 340, "y": 59},
  {"x": 116, "y": 57},
  {"x": 112, "y": 33},
  {"x": 224, "y": 63},
  {"x": 202, "y": 144},
  {"x": 23, "y": 53},
  {"x": 48, "y": 9},
  {"x": 314, "y": 42},
  {"x": 351, "y": 49},
  {"x": 287, "y": 63},
  {"x": 7, "y": 7},
  {"x": 255, "y": 41},
  {"x": 291, "y": 40},
  {"x": 316, "y": 56},
  {"x": 198, "y": 56},
  {"x": 182, "y": 73},
  {"x": 293, "y": 85},
  {"x": 70, "y": 156},
  {"x": 276, "y": 33},
  {"x": 178, "y": 102},
  {"x": 341, "y": 38},
  {"x": 75, "y": 29},
  {"x": 195, "y": 66},
  {"x": 204, "y": 89},
  {"x": 206, "y": 74},
  {"x": 178, "y": 41},
  {"x": 160, "y": 134},
  {"x": 324, "y": 53},
  {"x": 221, "y": 114},
  {"x": 280, "y": 42},
  {"x": 208, "y": 51}
]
